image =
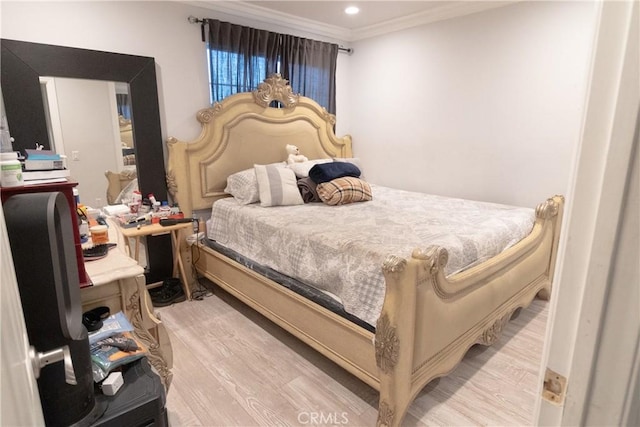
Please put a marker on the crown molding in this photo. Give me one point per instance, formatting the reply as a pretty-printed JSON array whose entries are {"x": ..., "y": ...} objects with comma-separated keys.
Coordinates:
[
  {"x": 263, "y": 14},
  {"x": 441, "y": 13}
]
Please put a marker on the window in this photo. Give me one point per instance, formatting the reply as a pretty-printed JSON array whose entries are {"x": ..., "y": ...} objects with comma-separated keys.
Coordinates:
[
  {"x": 240, "y": 58},
  {"x": 228, "y": 73}
]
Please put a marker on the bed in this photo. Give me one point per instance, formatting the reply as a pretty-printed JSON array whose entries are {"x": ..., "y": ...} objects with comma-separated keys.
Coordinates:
[
  {"x": 117, "y": 182},
  {"x": 120, "y": 183},
  {"x": 429, "y": 315}
]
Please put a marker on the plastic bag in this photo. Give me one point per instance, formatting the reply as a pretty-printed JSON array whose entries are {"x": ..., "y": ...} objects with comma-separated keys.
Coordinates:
[
  {"x": 114, "y": 351},
  {"x": 114, "y": 324}
]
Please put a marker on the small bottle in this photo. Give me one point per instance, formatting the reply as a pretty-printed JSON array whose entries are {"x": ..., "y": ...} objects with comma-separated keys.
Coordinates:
[
  {"x": 136, "y": 197},
  {"x": 10, "y": 170},
  {"x": 164, "y": 210},
  {"x": 84, "y": 230}
]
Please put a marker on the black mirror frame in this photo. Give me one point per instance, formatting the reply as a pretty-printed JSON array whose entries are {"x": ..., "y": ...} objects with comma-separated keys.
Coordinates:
[{"x": 23, "y": 63}]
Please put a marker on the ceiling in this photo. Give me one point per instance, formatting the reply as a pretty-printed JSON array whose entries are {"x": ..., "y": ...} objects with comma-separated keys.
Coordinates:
[
  {"x": 332, "y": 12},
  {"x": 327, "y": 17}
]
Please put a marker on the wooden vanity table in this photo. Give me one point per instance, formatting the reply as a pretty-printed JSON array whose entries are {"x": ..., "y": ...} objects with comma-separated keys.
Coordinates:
[{"x": 118, "y": 282}]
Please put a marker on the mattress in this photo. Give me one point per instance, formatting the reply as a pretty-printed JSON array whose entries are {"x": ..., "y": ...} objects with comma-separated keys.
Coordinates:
[
  {"x": 322, "y": 298},
  {"x": 340, "y": 249}
]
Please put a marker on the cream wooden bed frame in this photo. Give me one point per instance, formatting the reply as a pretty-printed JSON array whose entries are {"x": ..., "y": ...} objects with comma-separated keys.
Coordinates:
[
  {"x": 428, "y": 322},
  {"x": 117, "y": 181}
]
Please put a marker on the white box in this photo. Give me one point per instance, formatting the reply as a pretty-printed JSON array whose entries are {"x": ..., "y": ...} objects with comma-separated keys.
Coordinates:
[
  {"x": 112, "y": 383},
  {"x": 113, "y": 210},
  {"x": 49, "y": 174}
]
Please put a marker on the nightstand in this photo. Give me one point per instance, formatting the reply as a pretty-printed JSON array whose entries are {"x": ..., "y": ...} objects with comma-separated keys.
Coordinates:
[{"x": 154, "y": 230}]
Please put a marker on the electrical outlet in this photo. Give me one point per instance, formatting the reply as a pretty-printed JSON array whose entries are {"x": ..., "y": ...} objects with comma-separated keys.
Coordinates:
[{"x": 75, "y": 155}]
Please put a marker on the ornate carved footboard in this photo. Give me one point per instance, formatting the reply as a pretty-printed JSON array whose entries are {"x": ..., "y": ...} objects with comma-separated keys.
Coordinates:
[{"x": 428, "y": 322}]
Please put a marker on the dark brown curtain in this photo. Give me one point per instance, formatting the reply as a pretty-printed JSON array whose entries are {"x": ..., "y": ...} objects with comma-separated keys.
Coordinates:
[
  {"x": 241, "y": 57},
  {"x": 310, "y": 67}
]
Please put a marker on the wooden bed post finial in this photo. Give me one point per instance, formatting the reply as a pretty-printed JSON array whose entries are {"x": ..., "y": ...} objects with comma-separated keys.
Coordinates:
[{"x": 549, "y": 208}]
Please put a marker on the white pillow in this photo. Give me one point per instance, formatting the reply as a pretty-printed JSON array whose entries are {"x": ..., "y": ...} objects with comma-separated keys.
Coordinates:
[
  {"x": 302, "y": 169},
  {"x": 243, "y": 186},
  {"x": 278, "y": 186}
]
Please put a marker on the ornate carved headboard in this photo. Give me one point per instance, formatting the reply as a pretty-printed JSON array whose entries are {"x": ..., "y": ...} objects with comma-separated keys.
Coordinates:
[
  {"x": 117, "y": 181},
  {"x": 243, "y": 130}
]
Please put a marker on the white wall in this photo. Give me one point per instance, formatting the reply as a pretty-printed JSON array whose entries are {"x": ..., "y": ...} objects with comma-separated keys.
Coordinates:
[
  {"x": 486, "y": 106},
  {"x": 88, "y": 117}
]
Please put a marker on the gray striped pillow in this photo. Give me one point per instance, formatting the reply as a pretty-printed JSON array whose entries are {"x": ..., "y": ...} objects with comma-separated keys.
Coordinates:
[{"x": 278, "y": 186}]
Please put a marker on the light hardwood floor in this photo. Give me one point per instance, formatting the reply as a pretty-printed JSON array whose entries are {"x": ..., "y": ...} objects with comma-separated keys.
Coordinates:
[{"x": 232, "y": 367}]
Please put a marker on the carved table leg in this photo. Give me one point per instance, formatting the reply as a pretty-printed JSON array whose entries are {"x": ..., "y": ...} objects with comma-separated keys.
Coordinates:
[{"x": 150, "y": 331}]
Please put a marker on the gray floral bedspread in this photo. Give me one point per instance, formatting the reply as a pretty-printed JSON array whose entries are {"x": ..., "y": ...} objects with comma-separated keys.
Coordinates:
[{"x": 340, "y": 249}]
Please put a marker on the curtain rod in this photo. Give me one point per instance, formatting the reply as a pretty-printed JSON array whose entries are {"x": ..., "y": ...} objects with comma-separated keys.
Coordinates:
[{"x": 192, "y": 19}]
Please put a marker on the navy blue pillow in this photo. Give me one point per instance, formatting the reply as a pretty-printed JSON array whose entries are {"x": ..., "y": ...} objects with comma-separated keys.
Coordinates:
[{"x": 325, "y": 172}]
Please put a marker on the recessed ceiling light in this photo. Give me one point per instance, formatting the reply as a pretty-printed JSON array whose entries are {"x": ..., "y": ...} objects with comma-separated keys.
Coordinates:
[{"x": 352, "y": 10}]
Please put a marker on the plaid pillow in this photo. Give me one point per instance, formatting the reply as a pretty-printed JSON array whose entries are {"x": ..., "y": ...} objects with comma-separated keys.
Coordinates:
[{"x": 344, "y": 190}]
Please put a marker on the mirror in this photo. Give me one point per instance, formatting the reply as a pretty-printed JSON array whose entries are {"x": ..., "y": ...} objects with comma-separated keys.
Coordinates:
[
  {"x": 23, "y": 63},
  {"x": 89, "y": 121}
]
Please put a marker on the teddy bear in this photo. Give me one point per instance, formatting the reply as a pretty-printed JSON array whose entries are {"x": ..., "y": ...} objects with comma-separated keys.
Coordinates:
[{"x": 294, "y": 155}]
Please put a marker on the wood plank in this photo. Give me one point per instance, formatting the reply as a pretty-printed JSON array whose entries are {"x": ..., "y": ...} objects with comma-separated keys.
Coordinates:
[
  {"x": 233, "y": 367},
  {"x": 196, "y": 396}
]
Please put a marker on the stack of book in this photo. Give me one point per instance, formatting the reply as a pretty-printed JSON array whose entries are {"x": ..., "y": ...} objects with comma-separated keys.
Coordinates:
[{"x": 44, "y": 166}]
